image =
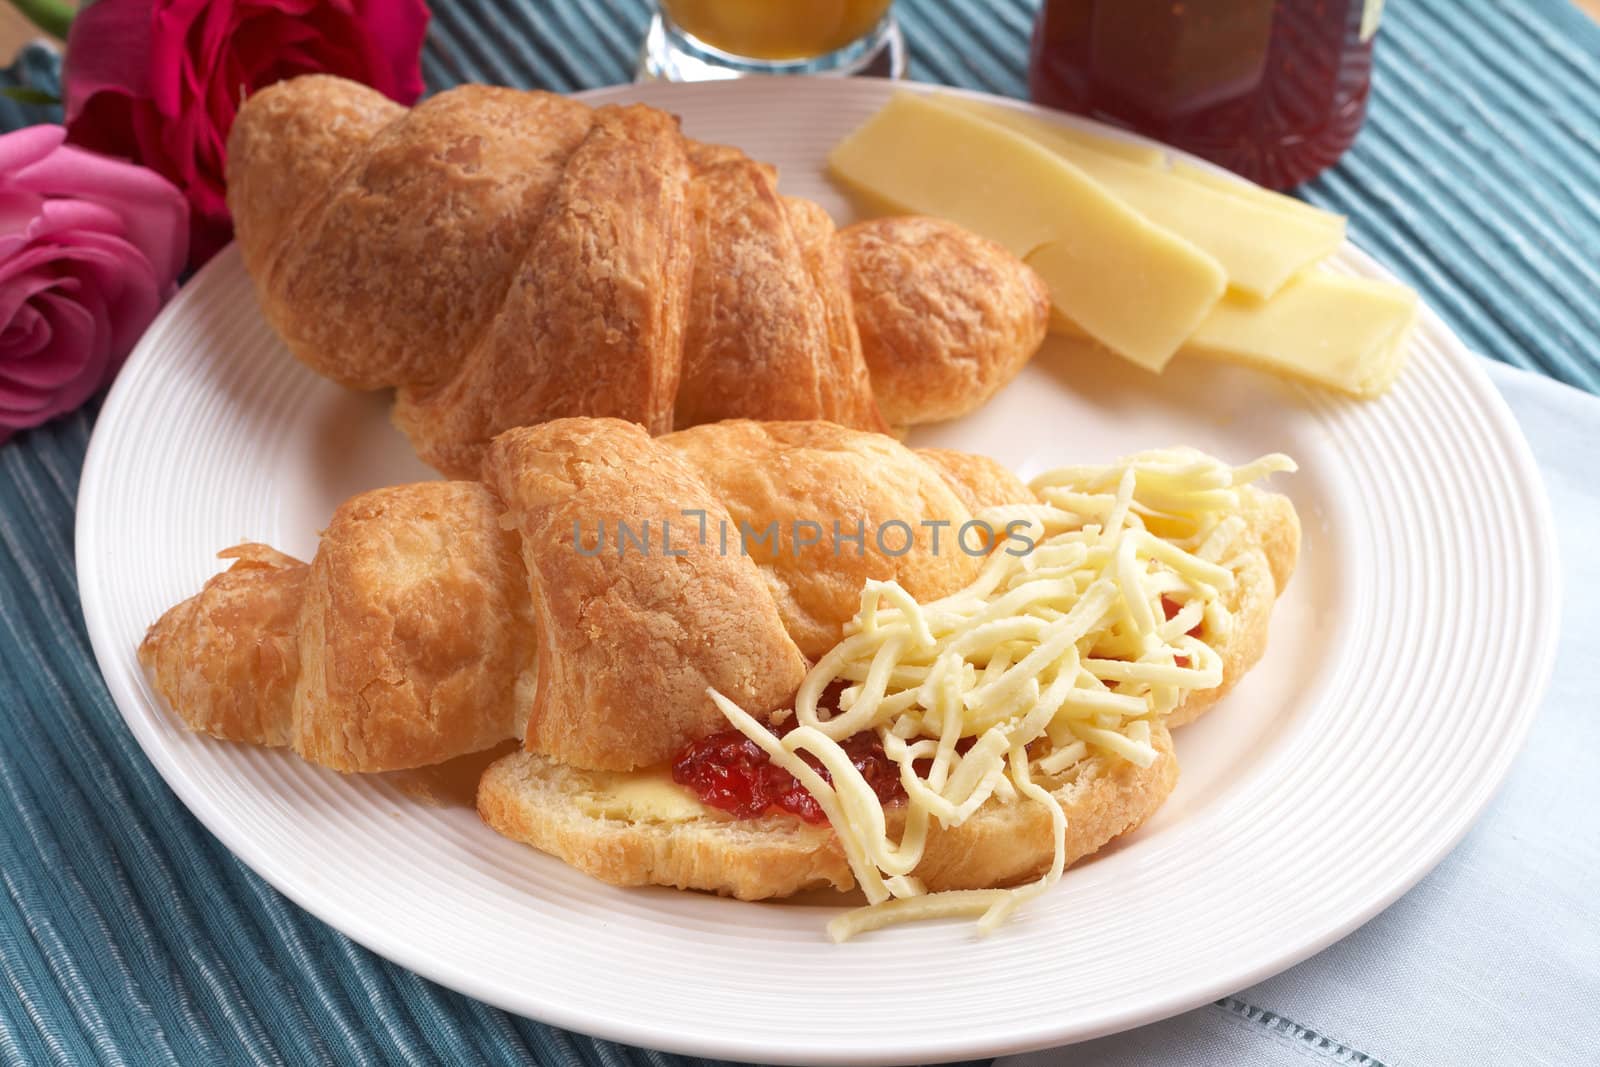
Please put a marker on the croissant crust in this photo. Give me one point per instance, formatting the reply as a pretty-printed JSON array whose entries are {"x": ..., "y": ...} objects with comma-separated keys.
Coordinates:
[{"x": 504, "y": 258}]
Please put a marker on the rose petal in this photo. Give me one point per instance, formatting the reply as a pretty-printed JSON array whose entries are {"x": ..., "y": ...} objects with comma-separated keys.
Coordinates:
[
  {"x": 24, "y": 335},
  {"x": 43, "y": 373},
  {"x": 397, "y": 29},
  {"x": 34, "y": 257},
  {"x": 20, "y": 272},
  {"x": 57, "y": 218},
  {"x": 48, "y": 367},
  {"x": 27, "y": 146},
  {"x": 18, "y": 208},
  {"x": 266, "y": 37},
  {"x": 131, "y": 294},
  {"x": 17, "y": 397},
  {"x": 221, "y": 108},
  {"x": 16, "y": 291},
  {"x": 21, "y": 407},
  {"x": 106, "y": 123},
  {"x": 257, "y": 49},
  {"x": 87, "y": 265},
  {"x": 148, "y": 125},
  {"x": 39, "y": 382},
  {"x": 172, "y": 65},
  {"x": 108, "y": 51},
  {"x": 80, "y": 346},
  {"x": 153, "y": 212}
]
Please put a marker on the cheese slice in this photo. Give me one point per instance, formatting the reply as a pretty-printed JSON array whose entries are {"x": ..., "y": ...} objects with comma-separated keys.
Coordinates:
[
  {"x": 1346, "y": 333},
  {"x": 1058, "y": 137},
  {"x": 1145, "y": 155},
  {"x": 1238, "y": 188},
  {"x": 1259, "y": 242},
  {"x": 1132, "y": 285}
]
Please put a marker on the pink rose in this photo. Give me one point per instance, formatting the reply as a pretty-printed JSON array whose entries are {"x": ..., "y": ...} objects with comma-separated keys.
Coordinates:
[
  {"x": 90, "y": 248},
  {"x": 159, "y": 81}
]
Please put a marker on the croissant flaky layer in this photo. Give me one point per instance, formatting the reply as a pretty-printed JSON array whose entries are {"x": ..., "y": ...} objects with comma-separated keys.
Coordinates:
[
  {"x": 408, "y": 638},
  {"x": 583, "y": 596},
  {"x": 503, "y": 258}
]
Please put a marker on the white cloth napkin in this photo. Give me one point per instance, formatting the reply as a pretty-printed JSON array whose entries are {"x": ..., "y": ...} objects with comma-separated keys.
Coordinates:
[{"x": 1495, "y": 956}]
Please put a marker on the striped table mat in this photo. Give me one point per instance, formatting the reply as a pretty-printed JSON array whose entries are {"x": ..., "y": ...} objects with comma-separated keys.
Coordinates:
[{"x": 128, "y": 935}]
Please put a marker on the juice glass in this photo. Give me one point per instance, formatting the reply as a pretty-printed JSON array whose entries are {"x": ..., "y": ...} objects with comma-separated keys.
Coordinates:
[{"x": 699, "y": 40}]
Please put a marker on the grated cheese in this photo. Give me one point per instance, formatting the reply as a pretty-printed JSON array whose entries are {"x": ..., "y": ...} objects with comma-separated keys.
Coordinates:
[{"x": 1067, "y": 645}]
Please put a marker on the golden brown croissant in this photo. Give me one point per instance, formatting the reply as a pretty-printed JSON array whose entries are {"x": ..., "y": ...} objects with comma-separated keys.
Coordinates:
[
  {"x": 503, "y": 258},
  {"x": 583, "y": 596}
]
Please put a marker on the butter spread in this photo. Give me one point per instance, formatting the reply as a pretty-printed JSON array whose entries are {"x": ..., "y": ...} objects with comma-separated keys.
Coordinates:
[{"x": 642, "y": 796}]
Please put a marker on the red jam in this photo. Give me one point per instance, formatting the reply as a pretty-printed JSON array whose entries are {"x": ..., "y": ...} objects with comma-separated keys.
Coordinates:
[
  {"x": 1272, "y": 89},
  {"x": 729, "y": 771}
]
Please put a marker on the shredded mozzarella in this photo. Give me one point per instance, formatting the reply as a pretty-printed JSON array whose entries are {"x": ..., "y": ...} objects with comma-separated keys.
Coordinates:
[{"x": 1066, "y": 648}]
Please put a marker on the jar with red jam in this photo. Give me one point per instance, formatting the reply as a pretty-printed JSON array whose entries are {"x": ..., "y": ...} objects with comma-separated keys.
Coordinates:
[{"x": 1274, "y": 90}]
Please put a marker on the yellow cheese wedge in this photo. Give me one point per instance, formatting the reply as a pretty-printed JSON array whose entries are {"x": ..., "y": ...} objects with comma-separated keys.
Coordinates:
[
  {"x": 1130, "y": 284},
  {"x": 1259, "y": 242},
  {"x": 1346, "y": 333}
]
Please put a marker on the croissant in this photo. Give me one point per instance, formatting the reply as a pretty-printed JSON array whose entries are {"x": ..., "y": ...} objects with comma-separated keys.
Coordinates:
[
  {"x": 502, "y": 258},
  {"x": 583, "y": 596},
  {"x": 587, "y": 593}
]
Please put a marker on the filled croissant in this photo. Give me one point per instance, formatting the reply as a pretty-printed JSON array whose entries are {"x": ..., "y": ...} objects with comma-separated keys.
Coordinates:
[
  {"x": 502, "y": 258},
  {"x": 590, "y": 592}
]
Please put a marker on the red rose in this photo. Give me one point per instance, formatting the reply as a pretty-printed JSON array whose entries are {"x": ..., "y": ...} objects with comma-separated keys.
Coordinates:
[{"x": 159, "y": 81}]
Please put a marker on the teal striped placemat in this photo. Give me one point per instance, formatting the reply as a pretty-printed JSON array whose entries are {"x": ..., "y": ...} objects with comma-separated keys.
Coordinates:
[{"x": 128, "y": 935}]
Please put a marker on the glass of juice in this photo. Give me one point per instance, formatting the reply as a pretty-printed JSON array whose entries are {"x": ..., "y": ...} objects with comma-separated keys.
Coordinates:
[{"x": 702, "y": 40}]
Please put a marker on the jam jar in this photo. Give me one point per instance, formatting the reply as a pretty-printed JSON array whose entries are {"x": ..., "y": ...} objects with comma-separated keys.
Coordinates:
[{"x": 1274, "y": 90}]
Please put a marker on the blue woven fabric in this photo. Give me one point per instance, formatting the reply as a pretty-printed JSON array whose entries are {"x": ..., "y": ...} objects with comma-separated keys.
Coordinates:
[{"x": 128, "y": 935}]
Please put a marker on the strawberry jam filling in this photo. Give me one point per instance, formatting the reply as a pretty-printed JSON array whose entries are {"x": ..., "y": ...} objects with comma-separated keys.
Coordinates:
[{"x": 729, "y": 771}]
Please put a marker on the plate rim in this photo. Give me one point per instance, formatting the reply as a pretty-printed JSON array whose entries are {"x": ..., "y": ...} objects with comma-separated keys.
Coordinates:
[{"x": 1544, "y": 606}]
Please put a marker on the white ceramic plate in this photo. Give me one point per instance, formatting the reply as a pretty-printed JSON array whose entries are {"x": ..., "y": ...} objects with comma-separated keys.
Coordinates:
[{"x": 1406, "y": 662}]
